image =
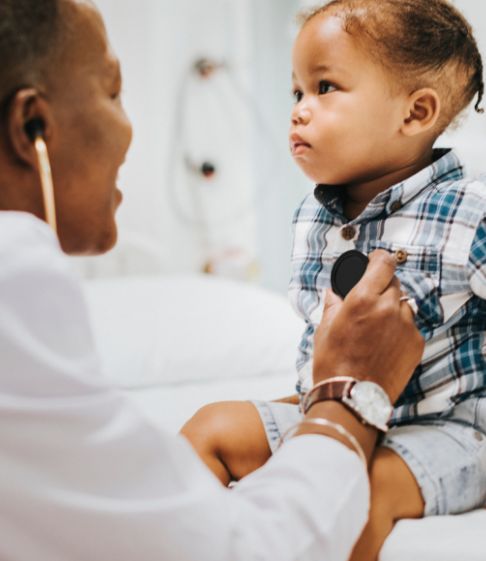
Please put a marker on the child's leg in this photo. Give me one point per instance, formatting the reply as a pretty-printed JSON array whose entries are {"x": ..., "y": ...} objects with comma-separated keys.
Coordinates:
[
  {"x": 230, "y": 438},
  {"x": 395, "y": 494}
]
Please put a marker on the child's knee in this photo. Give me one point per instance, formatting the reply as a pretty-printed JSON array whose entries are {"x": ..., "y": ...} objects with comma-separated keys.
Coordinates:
[{"x": 205, "y": 430}]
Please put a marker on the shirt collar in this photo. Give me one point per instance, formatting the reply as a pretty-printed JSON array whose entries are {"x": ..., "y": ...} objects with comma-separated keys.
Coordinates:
[{"x": 445, "y": 167}]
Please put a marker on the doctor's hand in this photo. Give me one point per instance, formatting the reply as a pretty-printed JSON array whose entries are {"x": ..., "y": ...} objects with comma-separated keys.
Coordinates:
[{"x": 371, "y": 335}]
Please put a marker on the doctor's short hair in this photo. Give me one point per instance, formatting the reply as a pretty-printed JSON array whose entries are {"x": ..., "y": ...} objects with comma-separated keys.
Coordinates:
[
  {"x": 420, "y": 43},
  {"x": 29, "y": 37}
]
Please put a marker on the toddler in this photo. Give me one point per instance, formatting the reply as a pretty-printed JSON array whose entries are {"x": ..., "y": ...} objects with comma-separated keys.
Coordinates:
[{"x": 375, "y": 84}]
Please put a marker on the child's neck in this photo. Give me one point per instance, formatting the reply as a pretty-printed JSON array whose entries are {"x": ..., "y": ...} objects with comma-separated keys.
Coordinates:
[{"x": 358, "y": 195}]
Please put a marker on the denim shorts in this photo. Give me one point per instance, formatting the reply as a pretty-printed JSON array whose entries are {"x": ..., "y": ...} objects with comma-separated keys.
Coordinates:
[{"x": 446, "y": 453}]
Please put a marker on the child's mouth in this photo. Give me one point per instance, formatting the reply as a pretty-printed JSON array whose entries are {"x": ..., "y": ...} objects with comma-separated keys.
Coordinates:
[
  {"x": 299, "y": 149},
  {"x": 298, "y": 145}
]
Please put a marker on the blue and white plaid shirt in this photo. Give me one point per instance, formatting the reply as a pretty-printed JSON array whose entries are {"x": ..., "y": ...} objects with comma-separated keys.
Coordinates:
[{"x": 438, "y": 219}]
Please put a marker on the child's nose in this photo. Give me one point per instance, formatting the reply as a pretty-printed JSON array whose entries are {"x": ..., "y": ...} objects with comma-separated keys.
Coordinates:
[{"x": 300, "y": 115}]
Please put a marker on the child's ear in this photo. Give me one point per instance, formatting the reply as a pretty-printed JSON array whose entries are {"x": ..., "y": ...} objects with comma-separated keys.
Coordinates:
[{"x": 423, "y": 110}]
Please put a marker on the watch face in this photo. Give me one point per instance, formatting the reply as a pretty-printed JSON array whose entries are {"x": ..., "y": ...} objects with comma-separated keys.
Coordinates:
[{"x": 372, "y": 402}]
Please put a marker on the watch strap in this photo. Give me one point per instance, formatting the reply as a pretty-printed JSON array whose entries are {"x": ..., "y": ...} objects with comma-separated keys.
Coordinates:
[{"x": 336, "y": 389}]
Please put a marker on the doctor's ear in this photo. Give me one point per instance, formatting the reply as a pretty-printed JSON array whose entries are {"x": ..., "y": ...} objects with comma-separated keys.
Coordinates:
[
  {"x": 422, "y": 112},
  {"x": 35, "y": 128},
  {"x": 29, "y": 116}
]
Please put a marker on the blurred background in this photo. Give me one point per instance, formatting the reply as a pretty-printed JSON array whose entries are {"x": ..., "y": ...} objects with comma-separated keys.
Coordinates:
[{"x": 209, "y": 184}]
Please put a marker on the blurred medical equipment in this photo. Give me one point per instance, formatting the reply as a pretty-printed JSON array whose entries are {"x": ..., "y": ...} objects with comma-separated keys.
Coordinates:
[{"x": 198, "y": 185}]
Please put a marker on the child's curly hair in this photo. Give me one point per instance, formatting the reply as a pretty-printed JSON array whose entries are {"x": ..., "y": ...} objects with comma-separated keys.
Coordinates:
[{"x": 423, "y": 43}]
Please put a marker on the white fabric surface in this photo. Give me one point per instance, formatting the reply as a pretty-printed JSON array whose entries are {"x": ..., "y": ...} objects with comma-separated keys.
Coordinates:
[
  {"x": 439, "y": 538},
  {"x": 171, "y": 406},
  {"x": 84, "y": 476},
  {"x": 180, "y": 328}
]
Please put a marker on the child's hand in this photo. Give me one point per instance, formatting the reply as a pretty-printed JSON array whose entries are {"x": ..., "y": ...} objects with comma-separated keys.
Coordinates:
[{"x": 372, "y": 334}]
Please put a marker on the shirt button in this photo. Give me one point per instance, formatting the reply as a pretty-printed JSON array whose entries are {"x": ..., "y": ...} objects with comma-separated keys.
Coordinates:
[
  {"x": 401, "y": 256},
  {"x": 396, "y": 206},
  {"x": 478, "y": 436},
  {"x": 348, "y": 233}
]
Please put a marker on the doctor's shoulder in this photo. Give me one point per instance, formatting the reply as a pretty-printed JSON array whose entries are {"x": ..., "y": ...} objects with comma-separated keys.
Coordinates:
[{"x": 27, "y": 243}]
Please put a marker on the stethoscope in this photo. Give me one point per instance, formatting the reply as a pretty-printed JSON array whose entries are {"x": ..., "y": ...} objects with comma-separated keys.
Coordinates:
[
  {"x": 35, "y": 131},
  {"x": 347, "y": 271}
]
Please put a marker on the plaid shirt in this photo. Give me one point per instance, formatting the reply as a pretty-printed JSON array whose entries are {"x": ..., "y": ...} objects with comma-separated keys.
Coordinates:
[{"x": 437, "y": 219}]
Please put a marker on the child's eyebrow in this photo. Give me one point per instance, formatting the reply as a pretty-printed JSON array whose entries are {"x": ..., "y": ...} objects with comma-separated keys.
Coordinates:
[
  {"x": 322, "y": 68},
  {"x": 328, "y": 68}
]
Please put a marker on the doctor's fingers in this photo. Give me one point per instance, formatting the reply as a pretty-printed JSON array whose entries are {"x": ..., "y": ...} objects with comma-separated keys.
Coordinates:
[
  {"x": 392, "y": 295},
  {"x": 378, "y": 275}
]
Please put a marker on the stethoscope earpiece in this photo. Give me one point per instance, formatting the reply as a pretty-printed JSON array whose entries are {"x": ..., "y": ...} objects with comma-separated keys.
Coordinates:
[{"x": 34, "y": 129}]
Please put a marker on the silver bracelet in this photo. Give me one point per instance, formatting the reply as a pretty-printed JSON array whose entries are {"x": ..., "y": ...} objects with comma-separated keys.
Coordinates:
[{"x": 329, "y": 424}]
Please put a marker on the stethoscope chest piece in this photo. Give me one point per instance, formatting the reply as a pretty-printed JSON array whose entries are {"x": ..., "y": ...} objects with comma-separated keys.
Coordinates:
[{"x": 347, "y": 271}]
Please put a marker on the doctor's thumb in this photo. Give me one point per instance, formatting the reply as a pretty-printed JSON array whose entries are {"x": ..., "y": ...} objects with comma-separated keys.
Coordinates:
[{"x": 332, "y": 305}]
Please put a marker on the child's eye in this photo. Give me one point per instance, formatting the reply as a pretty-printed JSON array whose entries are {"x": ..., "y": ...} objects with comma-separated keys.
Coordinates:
[
  {"x": 297, "y": 94},
  {"x": 325, "y": 87}
]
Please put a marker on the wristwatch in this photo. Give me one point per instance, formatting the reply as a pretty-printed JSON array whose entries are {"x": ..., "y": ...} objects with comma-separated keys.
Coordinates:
[{"x": 367, "y": 400}]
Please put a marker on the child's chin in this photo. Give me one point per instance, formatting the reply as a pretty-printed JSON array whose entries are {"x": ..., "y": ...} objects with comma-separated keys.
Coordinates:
[
  {"x": 314, "y": 177},
  {"x": 320, "y": 177},
  {"x": 327, "y": 179}
]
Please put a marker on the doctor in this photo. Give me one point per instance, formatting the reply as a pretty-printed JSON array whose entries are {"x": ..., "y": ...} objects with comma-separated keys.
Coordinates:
[{"x": 83, "y": 476}]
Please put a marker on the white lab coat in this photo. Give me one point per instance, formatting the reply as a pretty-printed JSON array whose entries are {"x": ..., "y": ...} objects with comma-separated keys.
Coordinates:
[{"x": 84, "y": 477}]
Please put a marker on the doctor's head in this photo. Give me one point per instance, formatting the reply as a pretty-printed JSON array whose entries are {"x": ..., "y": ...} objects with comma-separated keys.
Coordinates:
[{"x": 57, "y": 66}]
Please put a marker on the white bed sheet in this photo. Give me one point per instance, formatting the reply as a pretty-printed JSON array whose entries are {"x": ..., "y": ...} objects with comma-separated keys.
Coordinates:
[{"x": 169, "y": 406}]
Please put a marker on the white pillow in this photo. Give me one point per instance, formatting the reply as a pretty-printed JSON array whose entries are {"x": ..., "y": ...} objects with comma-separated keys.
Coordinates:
[{"x": 174, "y": 329}]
